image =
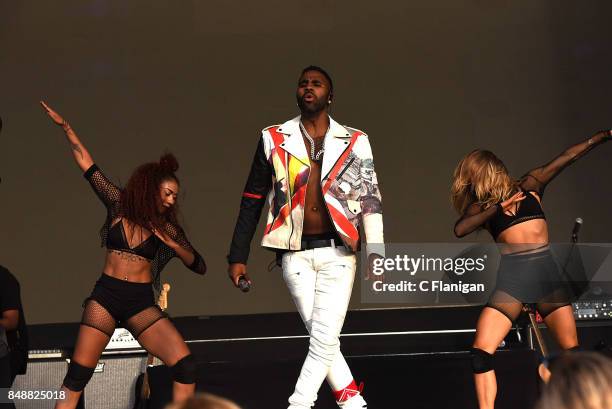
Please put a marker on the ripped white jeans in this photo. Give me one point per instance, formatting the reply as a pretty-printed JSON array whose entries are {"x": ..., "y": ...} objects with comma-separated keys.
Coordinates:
[{"x": 320, "y": 281}]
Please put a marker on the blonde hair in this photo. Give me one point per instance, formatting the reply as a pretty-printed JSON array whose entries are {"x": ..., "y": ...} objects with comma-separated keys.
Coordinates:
[
  {"x": 204, "y": 401},
  {"x": 579, "y": 380},
  {"x": 482, "y": 178}
]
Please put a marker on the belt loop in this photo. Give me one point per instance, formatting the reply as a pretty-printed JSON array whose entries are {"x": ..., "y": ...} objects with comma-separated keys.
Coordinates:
[{"x": 333, "y": 243}]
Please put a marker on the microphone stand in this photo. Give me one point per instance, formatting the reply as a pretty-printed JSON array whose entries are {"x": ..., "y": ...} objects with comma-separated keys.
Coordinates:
[
  {"x": 536, "y": 330},
  {"x": 564, "y": 272}
]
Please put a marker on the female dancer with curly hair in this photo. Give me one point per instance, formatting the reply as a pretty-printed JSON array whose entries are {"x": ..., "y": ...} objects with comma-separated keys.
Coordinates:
[
  {"x": 487, "y": 197},
  {"x": 141, "y": 234}
]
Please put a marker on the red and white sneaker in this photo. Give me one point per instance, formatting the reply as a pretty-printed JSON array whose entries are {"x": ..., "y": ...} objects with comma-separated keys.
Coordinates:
[{"x": 350, "y": 397}]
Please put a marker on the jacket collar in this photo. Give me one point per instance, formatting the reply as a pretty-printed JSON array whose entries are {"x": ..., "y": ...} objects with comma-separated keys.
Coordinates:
[
  {"x": 336, "y": 142},
  {"x": 294, "y": 143}
]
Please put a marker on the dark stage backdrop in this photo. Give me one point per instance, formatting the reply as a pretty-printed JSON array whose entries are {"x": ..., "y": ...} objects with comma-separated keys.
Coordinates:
[{"x": 428, "y": 81}]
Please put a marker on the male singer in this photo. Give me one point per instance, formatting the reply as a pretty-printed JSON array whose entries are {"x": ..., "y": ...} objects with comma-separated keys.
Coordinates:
[{"x": 319, "y": 181}]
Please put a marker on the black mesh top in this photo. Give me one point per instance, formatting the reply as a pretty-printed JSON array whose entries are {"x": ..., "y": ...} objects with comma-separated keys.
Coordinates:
[
  {"x": 535, "y": 180},
  {"x": 117, "y": 240},
  {"x": 110, "y": 195},
  {"x": 528, "y": 209}
]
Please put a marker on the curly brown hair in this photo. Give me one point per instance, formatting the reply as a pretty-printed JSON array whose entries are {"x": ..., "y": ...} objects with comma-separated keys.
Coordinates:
[{"x": 140, "y": 198}]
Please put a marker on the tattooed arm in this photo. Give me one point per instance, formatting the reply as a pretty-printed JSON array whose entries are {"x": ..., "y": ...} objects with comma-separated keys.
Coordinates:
[{"x": 81, "y": 155}]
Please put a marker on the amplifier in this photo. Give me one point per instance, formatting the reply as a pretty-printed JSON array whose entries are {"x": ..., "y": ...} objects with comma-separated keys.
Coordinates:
[
  {"x": 45, "y": 373},
  {"x": 112, "y": 385},
  {"x": 122, "y": 339},
  {"x": 592, "y": 335},
  {"x": 593, "y": 310}
]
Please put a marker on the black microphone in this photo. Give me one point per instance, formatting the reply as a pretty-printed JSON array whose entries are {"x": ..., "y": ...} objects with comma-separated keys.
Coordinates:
[
  {"x": 244, "y": 284},
  {"x": 577, "y": 226}
]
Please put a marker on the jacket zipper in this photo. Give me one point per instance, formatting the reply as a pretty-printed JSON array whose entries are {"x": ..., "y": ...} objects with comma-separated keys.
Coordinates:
[
  {"x": 345, "y": 168},
  {"x": 325, "y": 201},
  {"x": 275, "y": 217},
  {"x": 303, "y": 207},
  {"x": 332, "y": 221},
  {"x": 290, "y": 197},
  {"x": 326, "y": 208},
  {"x": 330, "y": 216}
]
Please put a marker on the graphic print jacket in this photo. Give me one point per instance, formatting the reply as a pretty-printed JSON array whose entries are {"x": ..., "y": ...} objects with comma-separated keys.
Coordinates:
[{"x": 279, "y": 175}]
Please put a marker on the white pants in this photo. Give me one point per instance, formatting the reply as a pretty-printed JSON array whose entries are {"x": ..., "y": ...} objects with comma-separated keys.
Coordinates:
[{"x": 320, "y": 282}]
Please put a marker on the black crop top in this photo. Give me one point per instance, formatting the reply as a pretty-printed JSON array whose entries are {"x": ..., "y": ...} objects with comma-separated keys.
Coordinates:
[
  {"x": 528, "y": 209},
  {"x": 536, "y": 181},
  {"x": 117, "y": 240},
  {"x": 110, "y": 195}
]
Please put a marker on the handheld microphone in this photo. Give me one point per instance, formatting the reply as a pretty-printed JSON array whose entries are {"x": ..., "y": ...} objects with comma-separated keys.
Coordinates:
[
  {"x": 576, "y": 229},
  {"x": 244, "y": 284}
]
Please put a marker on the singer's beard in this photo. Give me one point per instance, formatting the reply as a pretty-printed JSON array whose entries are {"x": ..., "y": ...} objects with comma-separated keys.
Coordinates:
[{"x": 310, "y": 108}]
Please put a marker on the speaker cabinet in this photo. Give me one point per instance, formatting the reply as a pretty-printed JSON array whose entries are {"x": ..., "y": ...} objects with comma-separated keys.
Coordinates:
[
  {"x": 45, "y": 374},
  {"x": 113, "y": 383}
]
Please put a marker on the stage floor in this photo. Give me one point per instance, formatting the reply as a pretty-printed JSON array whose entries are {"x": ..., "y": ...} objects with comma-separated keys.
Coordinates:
[{"x": 407, "y": 358}]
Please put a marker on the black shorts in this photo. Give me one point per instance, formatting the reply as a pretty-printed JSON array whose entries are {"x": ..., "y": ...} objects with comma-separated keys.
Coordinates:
[
  {"x": 123, "y": 300},
  {"x": 533, "y": 278}
]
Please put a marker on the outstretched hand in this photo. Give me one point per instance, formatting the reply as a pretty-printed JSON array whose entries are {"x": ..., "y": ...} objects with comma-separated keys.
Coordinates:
[
  {"x": 57, "y": 118},
  {"x": 81, "y": 155},
  {"x": 508, "y": 204}
]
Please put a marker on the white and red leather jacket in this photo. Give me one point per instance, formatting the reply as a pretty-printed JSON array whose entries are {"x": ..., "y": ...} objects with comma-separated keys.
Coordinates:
[{"x": 279, "y": 175}]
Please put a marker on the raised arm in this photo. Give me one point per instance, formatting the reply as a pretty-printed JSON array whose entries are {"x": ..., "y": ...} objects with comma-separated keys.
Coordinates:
[
  {"x": 475, "y": 217},
  {"x": 108, "y": 193},
  {"x": 537, "y": 179},
  {"x": 81, "y": 155}
]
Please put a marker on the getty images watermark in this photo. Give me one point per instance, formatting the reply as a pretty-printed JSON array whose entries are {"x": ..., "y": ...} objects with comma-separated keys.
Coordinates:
[
  {"x": 422, "y": 264},
  {"x": 467, "y": 273}
]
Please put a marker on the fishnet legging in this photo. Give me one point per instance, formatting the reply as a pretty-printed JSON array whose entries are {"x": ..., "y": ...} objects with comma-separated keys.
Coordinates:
[
  {"x": 98, "y": 317},
  {"x": 511, "y": 307}
]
